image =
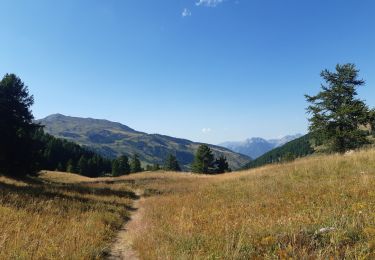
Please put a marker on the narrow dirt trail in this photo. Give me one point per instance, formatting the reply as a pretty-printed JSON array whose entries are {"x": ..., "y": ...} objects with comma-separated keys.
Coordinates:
[{"x": 122, "y": 246}]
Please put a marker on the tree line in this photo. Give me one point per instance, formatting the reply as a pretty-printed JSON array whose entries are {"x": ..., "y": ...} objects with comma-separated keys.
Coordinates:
[
  {"x": 62, "y": 155},
  {"x": 123, "y": 165}
]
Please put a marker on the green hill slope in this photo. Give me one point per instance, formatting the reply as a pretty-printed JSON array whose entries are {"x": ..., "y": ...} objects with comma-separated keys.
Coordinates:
[
  {"x": 113, "y": 139},
  {"x": 297, "y": 148}
]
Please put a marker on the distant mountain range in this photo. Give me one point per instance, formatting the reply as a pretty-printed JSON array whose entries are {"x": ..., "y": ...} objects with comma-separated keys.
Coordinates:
[
  {"x": 256, "y": 146},
  {"x": 112, "y": 139},
  {"x": 296, "y": 148}
]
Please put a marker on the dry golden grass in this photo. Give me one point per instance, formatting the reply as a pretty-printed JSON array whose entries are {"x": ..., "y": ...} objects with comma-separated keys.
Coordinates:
[
  {"x": 40, "y": 220},
  {"x": 67, "y": 216},
  {"x": 271, "y": 212},
  {"x": 64, "y": 177}
]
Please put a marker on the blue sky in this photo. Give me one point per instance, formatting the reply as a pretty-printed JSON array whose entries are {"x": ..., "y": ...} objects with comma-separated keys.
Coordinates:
[{"x": 206, "y": 70}]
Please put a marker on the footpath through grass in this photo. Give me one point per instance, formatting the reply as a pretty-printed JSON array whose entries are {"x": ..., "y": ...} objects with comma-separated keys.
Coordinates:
[
  {"x": 57, "y": 220},
  {"x": 318, "y": 207}
]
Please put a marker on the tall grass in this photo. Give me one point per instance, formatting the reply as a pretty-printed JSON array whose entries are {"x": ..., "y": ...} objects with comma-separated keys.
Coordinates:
[
  {"x": 319, "y": 207},
  {"x": 40, "y": 220}
]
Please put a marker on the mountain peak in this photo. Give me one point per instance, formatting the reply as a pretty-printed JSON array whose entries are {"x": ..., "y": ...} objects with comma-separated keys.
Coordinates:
[
  {"x": 257, "y": 146},
  {"x": 54, "y": 116},
  {"x": 82, "y": 122},
  {"x": 255, "y": 140}
]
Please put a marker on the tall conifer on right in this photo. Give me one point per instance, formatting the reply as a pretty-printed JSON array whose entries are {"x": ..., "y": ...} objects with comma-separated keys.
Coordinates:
[{"x": 337, "y": 113}]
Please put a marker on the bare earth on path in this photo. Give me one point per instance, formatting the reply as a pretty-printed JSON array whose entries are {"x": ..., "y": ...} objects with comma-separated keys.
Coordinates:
[{"x": 122, "y": 246}]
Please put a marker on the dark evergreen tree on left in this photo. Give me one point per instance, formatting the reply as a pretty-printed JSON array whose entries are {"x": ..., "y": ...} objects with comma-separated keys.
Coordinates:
[
  {"x": 26, "y": 149},
  {"x": 17, "y": 146}
]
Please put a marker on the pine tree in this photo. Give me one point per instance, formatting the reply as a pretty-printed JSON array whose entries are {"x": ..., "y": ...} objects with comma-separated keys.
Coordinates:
[
  {"x": 336, "y": 112},
  {"x": 288, "y": 157},
  {"x": 116, "y": 168},
  {"x": 120, "y": 166},
  {"x": 221, "y": 165},
  {"x": 83, "y": 166},
  {"x": 203, "y": 160},
  {"x": 171, "y": 164},
  {"x": 135, "y": 164},
  {"x": 58, "y": 153},
  {"x": 60, "y": 167},
  {"x": 70, "y": 166},
  {"x": 124, "y": 164},
  {"x": 155, "y": 167},
  {"x": 17, "y": 147},
  {"x": 372, "y": 121},
  {"x": 91, "y": 170}
]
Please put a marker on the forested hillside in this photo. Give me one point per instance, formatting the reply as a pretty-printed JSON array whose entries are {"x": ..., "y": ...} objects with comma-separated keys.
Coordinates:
[
  {"x": 62, "y": 155},
  {"x": 297, "y": 148},
  {"x": 112, "y": 139}
]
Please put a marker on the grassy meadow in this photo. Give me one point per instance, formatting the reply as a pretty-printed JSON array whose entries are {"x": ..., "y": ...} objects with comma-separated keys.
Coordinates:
[
  {"x": 317, "y": 207},
  {"x": 68, "y": 219}
]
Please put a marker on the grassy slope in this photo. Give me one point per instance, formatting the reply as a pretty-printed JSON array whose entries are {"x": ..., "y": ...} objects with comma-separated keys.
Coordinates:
[{"x": 269, "y": 212}]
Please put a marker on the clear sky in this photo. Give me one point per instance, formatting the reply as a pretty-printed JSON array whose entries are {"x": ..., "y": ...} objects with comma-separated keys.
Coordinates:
[{"x": 205, "y": 70}]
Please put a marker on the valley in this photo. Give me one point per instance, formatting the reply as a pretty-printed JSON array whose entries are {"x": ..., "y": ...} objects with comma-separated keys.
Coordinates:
[
  {"x": 112, "y": 139},
  {"x": 276, "y": 211},
  {"x": 187, "y": 130}
]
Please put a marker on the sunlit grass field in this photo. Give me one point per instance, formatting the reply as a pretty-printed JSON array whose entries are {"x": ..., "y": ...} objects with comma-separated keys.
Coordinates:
[
  {"x": 45, "y": 220},
  {"x": 317, "y": 207}
]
